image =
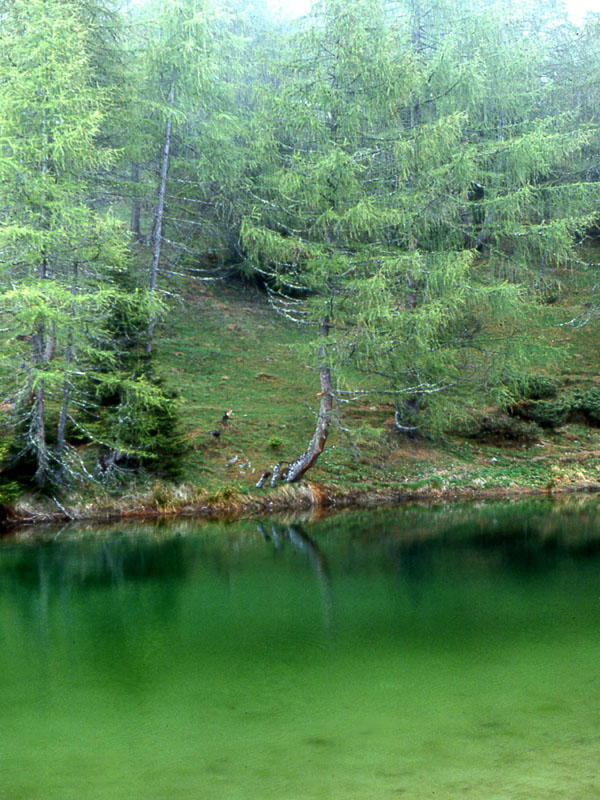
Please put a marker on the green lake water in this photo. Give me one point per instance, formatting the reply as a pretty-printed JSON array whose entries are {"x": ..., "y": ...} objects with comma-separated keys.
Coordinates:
[{"x": 415, "y": 653}]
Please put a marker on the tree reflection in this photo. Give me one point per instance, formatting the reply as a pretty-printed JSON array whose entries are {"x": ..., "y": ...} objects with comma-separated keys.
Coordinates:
[{"x": 301, "y": 541}]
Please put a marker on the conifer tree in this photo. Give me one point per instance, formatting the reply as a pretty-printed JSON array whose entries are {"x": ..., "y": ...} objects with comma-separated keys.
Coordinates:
[
  {"x": 59, "y": 255},
  {"x": 184, "y": 155},
  {"x": 406, "y": 196}
]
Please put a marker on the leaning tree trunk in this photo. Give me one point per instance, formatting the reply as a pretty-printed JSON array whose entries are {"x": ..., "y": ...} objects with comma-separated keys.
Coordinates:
[
  {"x": 294, "y": 471},
  {"x": 317, "y": 444},
  {"x": 160, "y": 209}
]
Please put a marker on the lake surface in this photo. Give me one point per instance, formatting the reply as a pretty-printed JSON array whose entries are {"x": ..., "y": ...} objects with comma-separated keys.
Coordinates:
[{"x": 415, "y": 653}]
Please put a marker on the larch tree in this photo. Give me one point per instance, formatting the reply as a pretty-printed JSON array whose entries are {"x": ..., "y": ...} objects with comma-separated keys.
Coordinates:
[
  {"x": 194, "y": 138},
  {"x": 59, "y": 255},
  {"x": 404, "y": 176},
  {"x": 186, "y": 130}
]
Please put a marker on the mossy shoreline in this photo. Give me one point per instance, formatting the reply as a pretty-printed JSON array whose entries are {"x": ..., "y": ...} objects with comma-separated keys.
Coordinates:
[{"x": 224, "y": 506}]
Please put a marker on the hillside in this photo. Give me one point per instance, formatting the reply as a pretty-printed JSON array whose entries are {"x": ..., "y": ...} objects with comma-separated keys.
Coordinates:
[{"x": 225, "y": 349}]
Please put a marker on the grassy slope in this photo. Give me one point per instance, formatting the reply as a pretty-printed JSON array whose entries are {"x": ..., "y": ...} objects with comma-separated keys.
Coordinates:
[{"x": 225, "y": 349}]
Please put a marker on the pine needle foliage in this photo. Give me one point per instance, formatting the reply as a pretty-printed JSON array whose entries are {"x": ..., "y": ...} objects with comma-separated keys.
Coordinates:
[
  {"x": 414, "y": 181},
  {"x": 60, "y": 257}
]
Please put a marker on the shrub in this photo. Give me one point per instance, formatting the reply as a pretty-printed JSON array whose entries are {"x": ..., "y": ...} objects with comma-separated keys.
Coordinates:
[
  {"x": 142, "y": 425},
  {"x": 538, "y": 387},
  {"x": 9, "y": 491},
  {"x": 546, "y": 413},
  {"x": 501, "y": 427},
  {"x": 589, "y": 404}
]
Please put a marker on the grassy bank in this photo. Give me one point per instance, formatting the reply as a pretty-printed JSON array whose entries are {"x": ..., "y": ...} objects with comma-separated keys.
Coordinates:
[
  {"x": 186, "y": 501},
  {"x": 226, "y": 350}
]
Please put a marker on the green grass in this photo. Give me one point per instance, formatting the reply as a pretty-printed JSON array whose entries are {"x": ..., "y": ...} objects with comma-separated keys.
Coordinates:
[{"x": 225, "y": 350}]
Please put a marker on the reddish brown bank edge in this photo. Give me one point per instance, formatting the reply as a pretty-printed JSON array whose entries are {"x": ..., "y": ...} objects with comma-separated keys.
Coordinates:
[{"x": 304, "y": 497}]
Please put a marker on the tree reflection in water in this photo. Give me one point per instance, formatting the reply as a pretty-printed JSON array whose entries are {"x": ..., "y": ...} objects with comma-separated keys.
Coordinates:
[{"x": 302, "y": 542}]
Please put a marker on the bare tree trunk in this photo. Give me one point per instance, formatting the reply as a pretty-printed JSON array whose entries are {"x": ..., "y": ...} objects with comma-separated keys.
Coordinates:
[
  {"x": 134, "y": 225},
  {"x": 64, "y": 409},
  {"x": 150, "y": 235},
  {"x": 412, "y": 299},
  {"x": 411, "y": 404},
  {"x": 406, "y": 418},
  {"x": 39, "y": 415},
  {"x": 416, "y": 40},
  {"x": 50, "y": 347},
  {"x": 42, "y": 349},
  {"x": 160, "y": 208},
  {"x": 297, "y": 468}
]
